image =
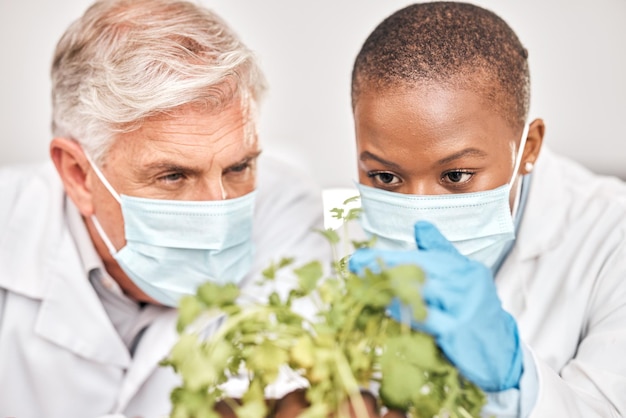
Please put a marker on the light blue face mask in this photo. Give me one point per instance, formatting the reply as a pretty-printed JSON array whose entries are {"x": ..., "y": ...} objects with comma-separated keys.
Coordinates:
[
  {"x": 173, "y": 246},
  {"x": 478, "y": 224}
]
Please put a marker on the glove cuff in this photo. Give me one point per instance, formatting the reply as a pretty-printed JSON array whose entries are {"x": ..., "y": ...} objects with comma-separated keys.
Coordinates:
[{"x": 514, "y": 374}]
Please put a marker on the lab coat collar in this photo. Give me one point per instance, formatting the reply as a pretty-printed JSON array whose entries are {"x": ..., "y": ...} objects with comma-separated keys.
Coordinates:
[
  {"x": 39, "y": 260},
  {"x": 154, "y": 346},
  {"x": 72, "y": 316},
  {"x": 541, "y": 226}
]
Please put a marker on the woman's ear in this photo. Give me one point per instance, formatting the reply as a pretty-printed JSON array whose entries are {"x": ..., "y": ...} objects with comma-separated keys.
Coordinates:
[
  {"x": 534, "y": 141},
  {"x": 73, "y": 168}
]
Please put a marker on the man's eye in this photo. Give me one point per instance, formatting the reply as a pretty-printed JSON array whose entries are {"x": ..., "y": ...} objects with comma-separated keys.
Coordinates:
[
  {"x": 239, "y": 168},
  {"x": 171, "y": 178},
  {"x": 457, "y": 176},
  {"x": 384, "y": 178}
]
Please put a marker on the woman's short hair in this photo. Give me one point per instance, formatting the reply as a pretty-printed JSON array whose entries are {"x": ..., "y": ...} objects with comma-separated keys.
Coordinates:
[{"x": 452, "y": 43}]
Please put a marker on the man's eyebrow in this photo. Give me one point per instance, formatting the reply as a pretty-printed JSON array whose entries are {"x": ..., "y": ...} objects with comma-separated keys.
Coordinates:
[
  {"x": 467, "y": 152},
  {"x": 366, "y": 155},
  {"x": 161, "y": 166}
]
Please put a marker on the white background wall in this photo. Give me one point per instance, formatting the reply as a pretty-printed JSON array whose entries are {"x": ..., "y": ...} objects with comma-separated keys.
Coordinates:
[{"x": 577, "y": 57}]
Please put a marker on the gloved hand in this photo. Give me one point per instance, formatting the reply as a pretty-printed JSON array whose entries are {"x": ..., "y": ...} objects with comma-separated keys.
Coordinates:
[{"x": 464, "y": 313}]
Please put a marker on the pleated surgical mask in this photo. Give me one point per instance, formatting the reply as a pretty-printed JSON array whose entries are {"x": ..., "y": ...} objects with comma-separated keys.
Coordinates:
[
  {"x": 478, "y": 224},
  {"x": 173, "y": 246}
]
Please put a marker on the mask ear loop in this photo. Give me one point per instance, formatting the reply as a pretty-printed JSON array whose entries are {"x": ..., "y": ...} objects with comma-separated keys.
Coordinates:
[
  {"x": 103, "y": 235},
  {"x": 518, "y": 161},
  {"x": 103, "y": 179},
  {"x": 520, "y": 153},
  {"x": 108, "y": 186}
]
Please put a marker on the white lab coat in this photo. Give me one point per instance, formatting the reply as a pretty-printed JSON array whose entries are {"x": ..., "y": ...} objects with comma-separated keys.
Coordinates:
[
  {"x": 565, "y": 283},
  {"x": 60, "y": 356}
]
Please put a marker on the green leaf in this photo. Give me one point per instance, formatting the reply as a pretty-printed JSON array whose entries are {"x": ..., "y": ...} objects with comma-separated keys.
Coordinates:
[
  {"x": 218, "y": 296},
  {"x": 302, "y": 353},
  {"x": 351, "y": 199},
  {"x": 192, "y": 404},
  {"x": 337, "y": 213},
  {"x": 266, "y": 359},
  {"x": 353, "y": 214},
  {"x": 322, "y": 367},
  {"x": 285, "y": 261},
  {"x": 188, "y": 310},
  {"x": 270, "y": 271},
  {"x": 308, "y": 275},
  {"x": 417, "y": 349},
  {"x": 330, "y": 234},
  {"x": 317, "y": 410},
  {"x": 188, "y": 358},
  {"x": 274, "y": 299},
  {"x": 400, "y": 384},
  {"x": 406, "y": 280}
]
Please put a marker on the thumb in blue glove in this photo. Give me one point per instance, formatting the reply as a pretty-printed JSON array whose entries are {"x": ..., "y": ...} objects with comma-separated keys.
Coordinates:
[{"x": 465, "y": 314}]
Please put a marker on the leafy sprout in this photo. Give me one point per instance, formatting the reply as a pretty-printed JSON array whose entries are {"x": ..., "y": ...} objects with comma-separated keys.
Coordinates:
[{"x": 350, "y": 344}]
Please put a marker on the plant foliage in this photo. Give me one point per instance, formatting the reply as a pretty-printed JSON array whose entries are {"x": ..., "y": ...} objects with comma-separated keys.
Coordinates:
[{"x": 349, "y": 345}]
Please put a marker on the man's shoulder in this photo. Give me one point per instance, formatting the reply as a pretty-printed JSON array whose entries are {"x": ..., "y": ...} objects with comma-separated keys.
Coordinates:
[
  {"x": 19, "y": 177},
  {"x": 31, "y": 214},
  {"x": 23, "y": 183}
]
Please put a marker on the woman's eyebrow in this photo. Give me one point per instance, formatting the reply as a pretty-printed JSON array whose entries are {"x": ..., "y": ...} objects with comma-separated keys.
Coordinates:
[
  {"x": 467, "y": 152},
  {"x": 366, "y": 155}
]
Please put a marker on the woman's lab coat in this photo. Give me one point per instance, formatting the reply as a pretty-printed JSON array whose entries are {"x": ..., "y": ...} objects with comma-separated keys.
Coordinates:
[
  {"x": 565, "y": 283},
  {"x": 60, "y": 356}
]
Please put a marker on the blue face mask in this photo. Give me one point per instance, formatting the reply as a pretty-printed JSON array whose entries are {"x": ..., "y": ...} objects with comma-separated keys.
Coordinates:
[
  {"x": 173, "y": 246},
  {"x": 478, "y": 224}
]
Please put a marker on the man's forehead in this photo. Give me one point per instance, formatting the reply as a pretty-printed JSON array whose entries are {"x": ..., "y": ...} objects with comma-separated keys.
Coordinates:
[{"x": 189, "y": 135}]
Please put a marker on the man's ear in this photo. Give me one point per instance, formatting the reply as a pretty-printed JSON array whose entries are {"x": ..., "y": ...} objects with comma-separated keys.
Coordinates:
[
  {"x": 534, "y": 141},
  {"x": 73, "y": 167}
]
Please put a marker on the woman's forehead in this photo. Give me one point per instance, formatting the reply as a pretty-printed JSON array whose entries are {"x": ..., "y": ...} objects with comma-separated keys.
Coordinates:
[
  {"x": 434, "y": 106},
  {"x": 465, "y": 95},
  {"x": 436, "y": 120}
]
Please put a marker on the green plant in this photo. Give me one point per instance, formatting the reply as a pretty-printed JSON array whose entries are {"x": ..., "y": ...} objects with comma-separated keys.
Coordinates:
[{"x": 349, "y": 344}]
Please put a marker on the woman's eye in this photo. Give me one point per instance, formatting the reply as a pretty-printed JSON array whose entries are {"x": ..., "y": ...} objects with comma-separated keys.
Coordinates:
[
  {"x": 457, "y": 176},
  {"x": 384, "y": 178}
]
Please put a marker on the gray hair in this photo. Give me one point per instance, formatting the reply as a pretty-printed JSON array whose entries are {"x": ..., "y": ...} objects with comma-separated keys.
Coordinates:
[{"x": 126, "y": 60}]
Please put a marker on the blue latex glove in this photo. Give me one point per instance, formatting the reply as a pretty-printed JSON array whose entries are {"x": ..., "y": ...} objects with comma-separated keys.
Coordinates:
[{"x": 464, "y": 313}]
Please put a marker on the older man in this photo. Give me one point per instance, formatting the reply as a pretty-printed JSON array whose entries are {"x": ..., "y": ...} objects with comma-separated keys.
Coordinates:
[{"x": 156, "y": 150}]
